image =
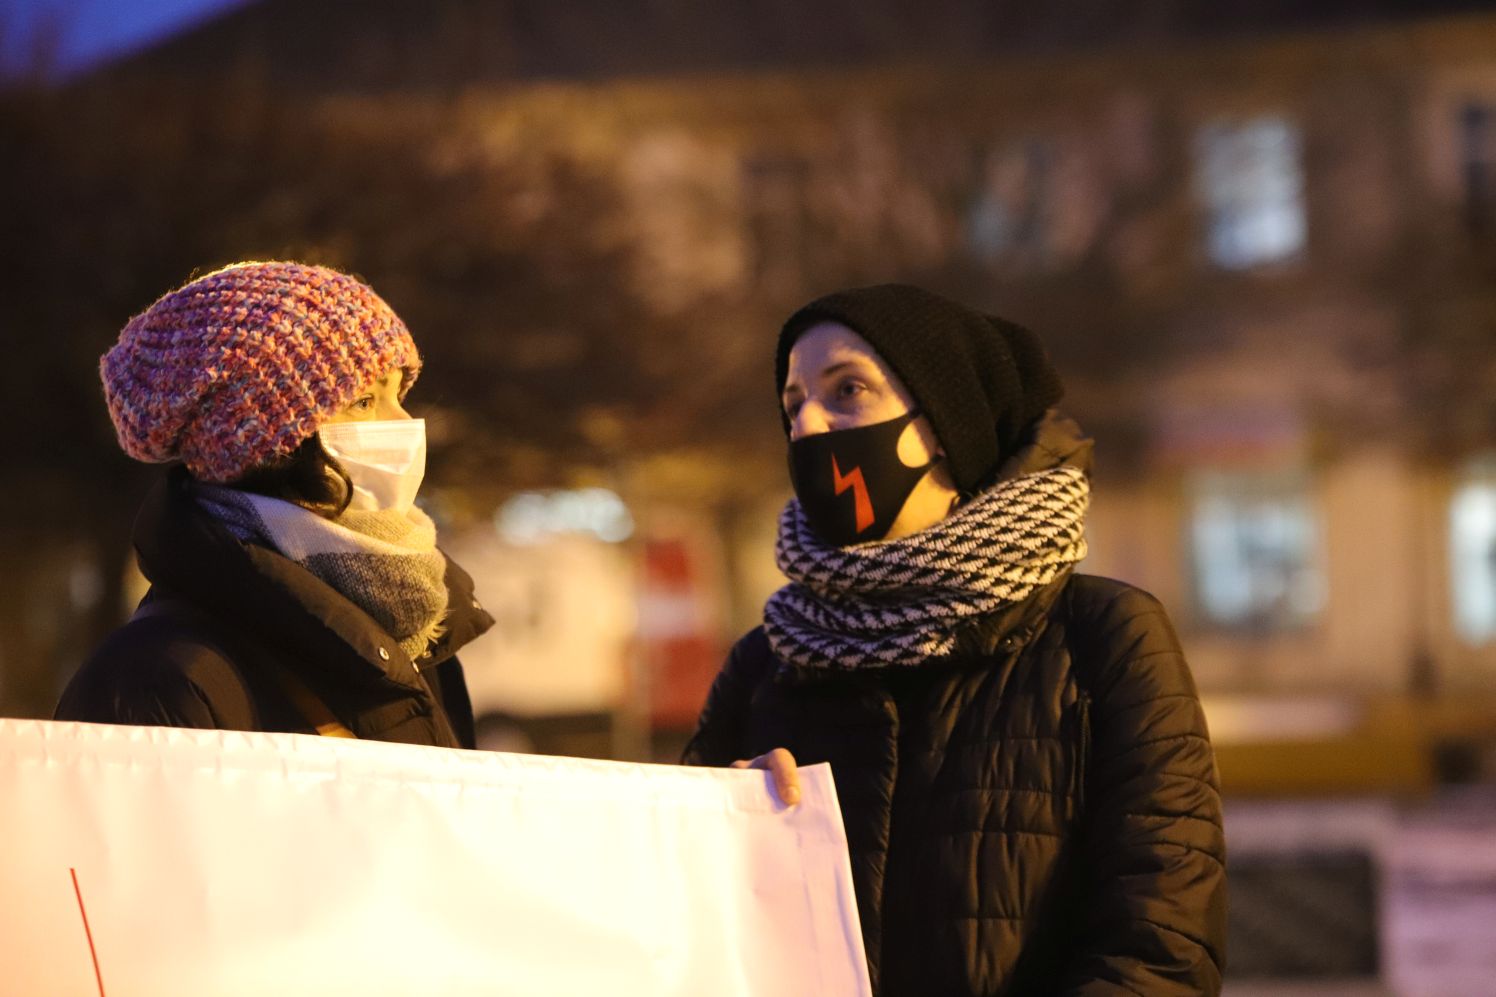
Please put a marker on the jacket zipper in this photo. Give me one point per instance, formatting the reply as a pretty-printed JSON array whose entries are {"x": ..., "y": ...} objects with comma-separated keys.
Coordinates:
[{"x": 1083, "y": 754}]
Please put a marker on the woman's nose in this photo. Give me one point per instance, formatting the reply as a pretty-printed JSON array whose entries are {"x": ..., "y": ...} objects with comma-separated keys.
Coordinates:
[
  {"x": 392, "y": 409},
  {"x": 809, "y": 420}
]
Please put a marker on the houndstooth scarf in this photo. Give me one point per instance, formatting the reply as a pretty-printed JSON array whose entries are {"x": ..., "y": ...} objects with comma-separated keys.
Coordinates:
[
  {"x": 386, "y": 563},
  {"x": 900, "y": 602}
]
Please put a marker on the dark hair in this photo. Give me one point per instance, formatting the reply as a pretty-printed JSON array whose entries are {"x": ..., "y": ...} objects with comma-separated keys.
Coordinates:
[{"x": 309, "y": 476}]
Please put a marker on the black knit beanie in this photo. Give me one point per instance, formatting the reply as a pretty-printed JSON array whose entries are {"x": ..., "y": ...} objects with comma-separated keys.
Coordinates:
[{"x": 981, "y": 381}]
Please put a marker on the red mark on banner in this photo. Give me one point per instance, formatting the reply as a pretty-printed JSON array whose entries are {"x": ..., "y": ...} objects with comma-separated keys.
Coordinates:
[
  {"x": 860, "y": 497},
  {"x": 88, "y": 931}
]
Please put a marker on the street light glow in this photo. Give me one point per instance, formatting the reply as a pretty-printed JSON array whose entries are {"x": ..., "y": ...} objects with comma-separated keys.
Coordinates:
[{"x": 533, "y": 517}]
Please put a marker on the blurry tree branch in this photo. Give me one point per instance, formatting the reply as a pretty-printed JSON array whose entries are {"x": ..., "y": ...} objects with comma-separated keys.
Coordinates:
[{"x": 512, "y": 266}]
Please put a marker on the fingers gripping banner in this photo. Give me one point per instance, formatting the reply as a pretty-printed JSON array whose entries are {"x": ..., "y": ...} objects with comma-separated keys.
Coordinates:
[{"x": 157, "y": 861}]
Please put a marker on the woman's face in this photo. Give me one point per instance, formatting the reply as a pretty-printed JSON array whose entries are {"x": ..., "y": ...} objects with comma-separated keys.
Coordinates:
[
  {"x": 836, "y": 380},
  {"x": 378, "y": 402}
]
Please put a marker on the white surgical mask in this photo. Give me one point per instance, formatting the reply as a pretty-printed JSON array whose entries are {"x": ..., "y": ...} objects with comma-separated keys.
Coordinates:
[{"x": 386, "y": 460}]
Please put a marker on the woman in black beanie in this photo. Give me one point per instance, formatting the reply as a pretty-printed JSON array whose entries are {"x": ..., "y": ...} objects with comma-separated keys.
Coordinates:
[{"x": 1024, "y": 772}]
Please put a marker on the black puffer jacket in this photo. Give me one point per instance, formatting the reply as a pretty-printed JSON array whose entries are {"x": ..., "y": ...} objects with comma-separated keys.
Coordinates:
[
  {"x": 230, "y": 620},
  {"x": 1039, "y": 815}
]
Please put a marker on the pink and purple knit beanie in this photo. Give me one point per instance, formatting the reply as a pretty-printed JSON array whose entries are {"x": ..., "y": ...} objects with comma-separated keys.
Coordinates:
[{"x": 239, "y": 366}]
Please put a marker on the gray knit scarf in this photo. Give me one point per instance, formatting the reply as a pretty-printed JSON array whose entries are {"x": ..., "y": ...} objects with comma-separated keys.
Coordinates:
[
  {"x": 386, "y": 563},
  {"x": 900, "y": 602}
]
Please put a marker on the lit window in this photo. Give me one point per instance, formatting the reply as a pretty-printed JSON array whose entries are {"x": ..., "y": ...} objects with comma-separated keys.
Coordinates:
[
  {"x": 1478, "y": 161},
  {"x": 1472, "y": 554},
  {"x": 1254, "y": 545},
  {"x": 1008, "y": 216},
  {"x": 1250, "y": 177}
]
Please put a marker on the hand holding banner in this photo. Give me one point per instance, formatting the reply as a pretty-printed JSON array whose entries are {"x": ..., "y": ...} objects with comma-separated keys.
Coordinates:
[{"x": 159, "y": 861}]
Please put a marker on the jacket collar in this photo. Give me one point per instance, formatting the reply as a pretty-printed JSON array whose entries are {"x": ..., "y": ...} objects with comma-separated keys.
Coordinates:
[
  {"x": 190, "y": 555},
  {"x": 1012, "y": 628},
  {"x": 1054, "y": 440}
]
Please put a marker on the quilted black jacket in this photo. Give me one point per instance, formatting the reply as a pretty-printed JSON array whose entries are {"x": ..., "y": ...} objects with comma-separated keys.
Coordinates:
[{"x": 1040, "y": 815}]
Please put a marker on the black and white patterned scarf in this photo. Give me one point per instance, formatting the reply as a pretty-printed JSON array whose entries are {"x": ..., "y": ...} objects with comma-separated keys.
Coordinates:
[
  {"x": 386, "y": 563},
  {"x": 900, "y": 602}
]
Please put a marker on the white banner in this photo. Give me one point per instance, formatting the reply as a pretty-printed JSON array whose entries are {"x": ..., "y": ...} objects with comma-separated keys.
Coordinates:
[{"x": 153, "y": 861}]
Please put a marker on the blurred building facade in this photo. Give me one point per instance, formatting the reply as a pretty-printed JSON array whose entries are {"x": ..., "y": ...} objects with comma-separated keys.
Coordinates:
[
  {"x": 1259, "y": 239},
  {"x": 1264, "y": 265},
  {"x": 1263, "y": 261}
]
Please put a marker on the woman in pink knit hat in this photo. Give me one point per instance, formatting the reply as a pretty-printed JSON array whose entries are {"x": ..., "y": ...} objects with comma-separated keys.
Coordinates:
[{"x": 294, "y": 584}]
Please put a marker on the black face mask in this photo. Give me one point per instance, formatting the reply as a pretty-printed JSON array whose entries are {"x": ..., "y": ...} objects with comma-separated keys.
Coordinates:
[{"x": 851, "y": 483}]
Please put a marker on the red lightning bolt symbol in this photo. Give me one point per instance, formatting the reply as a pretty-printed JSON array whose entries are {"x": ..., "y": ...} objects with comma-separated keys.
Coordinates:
[{"x": 859, "y": 493}]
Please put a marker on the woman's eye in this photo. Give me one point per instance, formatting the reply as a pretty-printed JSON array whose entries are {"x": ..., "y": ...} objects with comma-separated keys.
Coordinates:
[
  {"x": 365, "y": 403},
  {"x": 850, "y": 389}
]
